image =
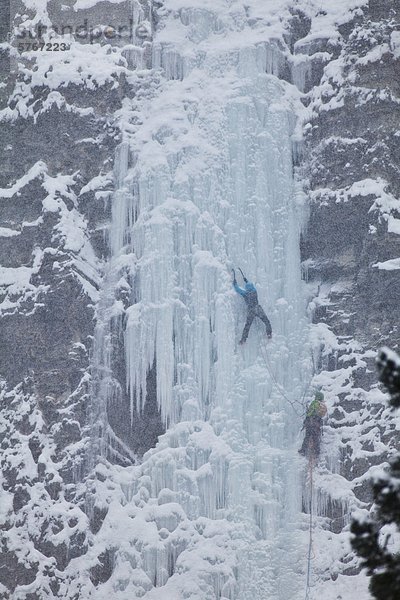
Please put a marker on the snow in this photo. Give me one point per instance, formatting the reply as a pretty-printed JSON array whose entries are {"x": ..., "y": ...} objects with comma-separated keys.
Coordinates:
[
  {"x": 70, "y": 233},
  {"x": 327, "y": 17},
  {"x": 388, "y": 265},
  {"x": 7, "y": 232},
  {"x": 204, "y": 181},
  {"x": 382, "y": 200},
  {"x": 98, "y": 182},
  {"x": 17, "y": 275},
  {"x": 394, "y": 224},
  {"x": 36, "y": 171},
  {"x": 16, "y": 286},
  {"x": 338, "y": 589},
  {"x": 87, "y": 65},
  {"x": 374, "y": 55},
  {"x": 85, "y": 4},
  {"x": 395, "y": 43},
  {"x": 39, "y": 8}
]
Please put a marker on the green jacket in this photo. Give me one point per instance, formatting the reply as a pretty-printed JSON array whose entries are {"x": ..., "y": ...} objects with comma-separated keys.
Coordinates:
[{"x": 313, "y": 409}]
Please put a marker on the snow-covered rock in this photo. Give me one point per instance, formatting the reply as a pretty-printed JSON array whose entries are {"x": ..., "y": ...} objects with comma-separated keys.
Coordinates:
[{"x": 143, "y": 455}]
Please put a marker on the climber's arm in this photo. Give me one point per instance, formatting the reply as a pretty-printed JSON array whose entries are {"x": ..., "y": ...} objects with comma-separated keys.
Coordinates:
[{"x": 238, "y": 289}]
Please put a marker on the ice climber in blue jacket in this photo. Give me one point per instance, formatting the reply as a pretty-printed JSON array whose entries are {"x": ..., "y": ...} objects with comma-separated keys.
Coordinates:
[{"x": 249, "y": 294}]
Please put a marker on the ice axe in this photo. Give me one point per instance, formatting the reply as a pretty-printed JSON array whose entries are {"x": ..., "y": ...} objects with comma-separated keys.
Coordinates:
[{"x": 244, "y": 278}]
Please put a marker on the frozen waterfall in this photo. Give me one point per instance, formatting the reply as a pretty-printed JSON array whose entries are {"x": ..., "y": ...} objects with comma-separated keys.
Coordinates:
[{"x": 204, "y": 183}]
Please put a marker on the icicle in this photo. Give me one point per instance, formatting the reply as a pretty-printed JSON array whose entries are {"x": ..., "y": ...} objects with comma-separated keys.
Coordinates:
[
  {"x": 120, "y": 200},
  {"x": 210, "y": 185},
  {"x": 301, "y": 72}
]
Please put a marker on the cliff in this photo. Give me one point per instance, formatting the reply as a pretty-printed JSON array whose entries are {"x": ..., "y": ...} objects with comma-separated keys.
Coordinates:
[{"x": 63, "y": 117}]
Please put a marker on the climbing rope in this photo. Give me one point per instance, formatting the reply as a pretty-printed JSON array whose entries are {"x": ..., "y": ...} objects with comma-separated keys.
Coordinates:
[
  {"x": 310, "y": 537},
  {"x": 264, "y": 354}
]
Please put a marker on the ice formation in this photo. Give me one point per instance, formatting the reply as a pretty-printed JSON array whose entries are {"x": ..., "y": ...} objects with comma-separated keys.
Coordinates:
[{"x": 204, "y": 183}]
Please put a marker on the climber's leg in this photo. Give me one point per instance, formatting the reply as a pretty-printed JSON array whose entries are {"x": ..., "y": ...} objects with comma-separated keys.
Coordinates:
[
  {"x": 249, "y": 320},
  {"x": 261, "y": 315}
]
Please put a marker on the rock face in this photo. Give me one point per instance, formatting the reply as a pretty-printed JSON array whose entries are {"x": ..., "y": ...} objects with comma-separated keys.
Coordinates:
[
  {"x": 352, "y": 148},
  {"x": 351, "y": 245},
  {"x": 61, "y": 125},
  {"x": 59, "y": 134}
]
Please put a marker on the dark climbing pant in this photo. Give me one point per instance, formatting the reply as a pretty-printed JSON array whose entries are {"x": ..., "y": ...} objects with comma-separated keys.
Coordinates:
[
  {"x": 311, "y": 446},
  {"x": 255, "y": 311}
]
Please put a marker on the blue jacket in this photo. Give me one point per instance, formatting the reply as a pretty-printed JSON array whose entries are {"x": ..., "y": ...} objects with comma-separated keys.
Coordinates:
[{"x": 249, "y": 293}]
